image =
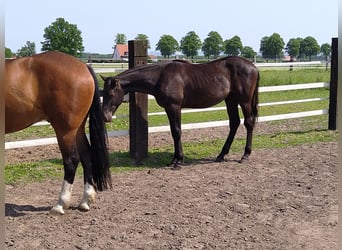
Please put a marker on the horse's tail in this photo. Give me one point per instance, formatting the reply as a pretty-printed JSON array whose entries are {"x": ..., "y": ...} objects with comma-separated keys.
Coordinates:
[
  {"x": 98, "y": 141},
  {"x": 255, "y": 98}
]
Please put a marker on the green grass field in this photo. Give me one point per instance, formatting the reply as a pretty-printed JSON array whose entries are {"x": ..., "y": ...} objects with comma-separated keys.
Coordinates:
[{"x": 314, "y": 129}]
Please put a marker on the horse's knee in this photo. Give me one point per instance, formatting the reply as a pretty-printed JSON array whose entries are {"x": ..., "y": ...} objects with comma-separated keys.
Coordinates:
[
  {"x": 176, "y": 134},
  {"x": 249, "y": 122}
]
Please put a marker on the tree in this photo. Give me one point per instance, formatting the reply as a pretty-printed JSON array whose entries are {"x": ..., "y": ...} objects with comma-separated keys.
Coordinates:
[
  {"x": 143, "y": 37},
  {"x": 212, "y": 45},
  {"x": 233, "y": 46},
  {"x": 272, "y": 46},
  {"x": 293, "y": 47},
  {"x": 8, "y": 53},
  {"x": 28, "y": 49},
  {"x": 263, "y": 47},
  {"x": 63, "y": 36},
  {"x": 190, "y": 44},
  {"x": 120, "y": 38},
  {"x": 309, "y": 47},
  {"x": 248, "y": 52},
  {"x": 167, "y": 45},
  {"x": 326, "y": 50}
]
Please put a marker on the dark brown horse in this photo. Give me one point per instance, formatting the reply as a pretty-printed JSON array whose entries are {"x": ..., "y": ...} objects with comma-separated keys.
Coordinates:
[
  {"x": 179, "y": 84},
  {"x": 59, "y": 88}
]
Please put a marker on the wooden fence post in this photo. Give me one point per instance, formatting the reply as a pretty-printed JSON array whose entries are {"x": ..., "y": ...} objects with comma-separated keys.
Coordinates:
[
  {"x": 332, "y": 123},
  {"x": 138, "y": 122}
]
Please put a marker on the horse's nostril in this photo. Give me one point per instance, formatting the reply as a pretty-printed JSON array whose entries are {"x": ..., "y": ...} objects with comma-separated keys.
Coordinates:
[{"x": 107, "y": 117}]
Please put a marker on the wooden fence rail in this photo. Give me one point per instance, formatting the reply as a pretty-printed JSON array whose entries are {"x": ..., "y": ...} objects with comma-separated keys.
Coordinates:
[{"x": 53, "y": 140}]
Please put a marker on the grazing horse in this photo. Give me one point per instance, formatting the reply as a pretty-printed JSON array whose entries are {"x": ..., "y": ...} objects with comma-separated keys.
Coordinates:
[
  {"x": 61, "y": 89},
  {"x": 179, "y": 84}
]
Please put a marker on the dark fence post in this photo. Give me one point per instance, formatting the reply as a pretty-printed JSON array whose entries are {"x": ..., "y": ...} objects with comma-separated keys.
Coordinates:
[
  {"x": 332, "y": 124},
  {"x": 138, "y": 122}
]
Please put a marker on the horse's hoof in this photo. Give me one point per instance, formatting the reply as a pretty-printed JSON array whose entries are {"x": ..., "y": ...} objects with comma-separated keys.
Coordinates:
[
  {"x": 176, "y": 167},
  {"x": 57, "y": 210},
  {"x": 174, "y": 163},
  {"x": 219, "y": 159},
  {"x": 84, "y": 207},
  {"x": 243, "y": 160}
]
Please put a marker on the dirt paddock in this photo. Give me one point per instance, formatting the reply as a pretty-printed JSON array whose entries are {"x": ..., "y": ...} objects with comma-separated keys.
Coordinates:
[{"x": 282, "y": 199}]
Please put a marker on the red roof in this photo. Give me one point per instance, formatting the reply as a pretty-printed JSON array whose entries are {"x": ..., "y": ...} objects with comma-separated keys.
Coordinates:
[{"x": 120, "y": 50}]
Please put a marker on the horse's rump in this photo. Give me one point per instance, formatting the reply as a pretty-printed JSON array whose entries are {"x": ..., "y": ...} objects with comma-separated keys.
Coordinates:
[{"x": 44, "y": 87}]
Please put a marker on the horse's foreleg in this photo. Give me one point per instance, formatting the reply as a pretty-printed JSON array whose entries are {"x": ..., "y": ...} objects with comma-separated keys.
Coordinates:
[
  {"x": 174, "y": 116},
  {"x": 234, "y": 122}
]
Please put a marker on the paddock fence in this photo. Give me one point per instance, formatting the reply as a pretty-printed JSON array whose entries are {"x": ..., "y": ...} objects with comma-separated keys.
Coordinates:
[
  {"x": 115, "y": 133},
  {"x": 120, "y": 67}
]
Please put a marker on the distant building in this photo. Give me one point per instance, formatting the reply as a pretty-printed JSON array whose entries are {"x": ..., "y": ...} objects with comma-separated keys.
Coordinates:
[
  {"x": 120, "y": 52},
  {"x": 153, "y": 58}
]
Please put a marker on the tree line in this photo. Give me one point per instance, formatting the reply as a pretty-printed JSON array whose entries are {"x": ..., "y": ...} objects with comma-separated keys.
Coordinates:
[{"x": 67, "y": 38}]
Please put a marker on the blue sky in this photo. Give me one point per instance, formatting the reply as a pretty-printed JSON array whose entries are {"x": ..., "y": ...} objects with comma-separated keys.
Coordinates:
[{"x": 99, "y": 21}]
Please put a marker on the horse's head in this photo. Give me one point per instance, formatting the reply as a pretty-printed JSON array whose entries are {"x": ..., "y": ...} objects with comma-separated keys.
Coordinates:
[{"x": 113, "y": 95}]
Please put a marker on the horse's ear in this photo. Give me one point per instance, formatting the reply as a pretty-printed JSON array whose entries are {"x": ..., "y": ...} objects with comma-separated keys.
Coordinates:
[{"x": 103, "y": 78}]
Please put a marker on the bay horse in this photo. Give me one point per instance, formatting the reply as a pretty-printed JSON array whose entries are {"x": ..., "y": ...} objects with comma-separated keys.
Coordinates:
[
  {"x": 59, "y": 88},
  {"x": 179, "y": 84}
]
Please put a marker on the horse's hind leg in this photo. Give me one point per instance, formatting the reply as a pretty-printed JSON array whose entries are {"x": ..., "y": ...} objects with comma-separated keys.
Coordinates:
[
  {"x": 84, "y": 151},
  {"x": 234, "y": 122},
  {"x": 67, "y": 145},
  {"x": 249, "y": 123}
]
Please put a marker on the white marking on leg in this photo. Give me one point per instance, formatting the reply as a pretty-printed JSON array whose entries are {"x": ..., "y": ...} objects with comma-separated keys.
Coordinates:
[
  {"x": 64, "y": 199},
  {"x": 88, "y": 197}
]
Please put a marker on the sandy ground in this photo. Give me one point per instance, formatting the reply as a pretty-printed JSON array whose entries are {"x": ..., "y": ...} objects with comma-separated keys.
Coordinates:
[{"x": 282, "y": 199}]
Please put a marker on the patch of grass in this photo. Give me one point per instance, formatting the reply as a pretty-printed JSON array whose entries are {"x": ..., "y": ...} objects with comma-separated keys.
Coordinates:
[
  {"x": 281, "y": 77},
  {"x": 307, "y": 131},
  {"x": 33, "y": 171}
]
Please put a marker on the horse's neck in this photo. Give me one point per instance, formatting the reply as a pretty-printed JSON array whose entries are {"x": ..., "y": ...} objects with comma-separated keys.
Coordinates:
[
  {"x": 143, "y": 86},
  {"x": 141, "y": 79}
]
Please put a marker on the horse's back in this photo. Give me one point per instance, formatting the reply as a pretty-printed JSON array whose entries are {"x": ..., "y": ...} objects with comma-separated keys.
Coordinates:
[{"x": 47, "y": 86}]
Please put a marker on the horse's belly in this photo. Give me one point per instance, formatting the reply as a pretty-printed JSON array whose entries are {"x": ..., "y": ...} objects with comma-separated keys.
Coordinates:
[
  {"x": 200, "y": 104},
  {"x": 202, "y": 101},
  {"x": 16, "y": 121}
]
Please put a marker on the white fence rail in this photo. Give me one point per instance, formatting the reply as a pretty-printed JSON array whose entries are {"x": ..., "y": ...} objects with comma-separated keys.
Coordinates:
[
  {"x": 119, "y": 67},
  {"x": 292, "y": 64},
  {"x": 53, "y": 140}
]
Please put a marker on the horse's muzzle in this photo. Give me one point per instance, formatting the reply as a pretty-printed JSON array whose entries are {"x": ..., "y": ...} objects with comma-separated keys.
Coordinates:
[{"x": 107, "y": 116}]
